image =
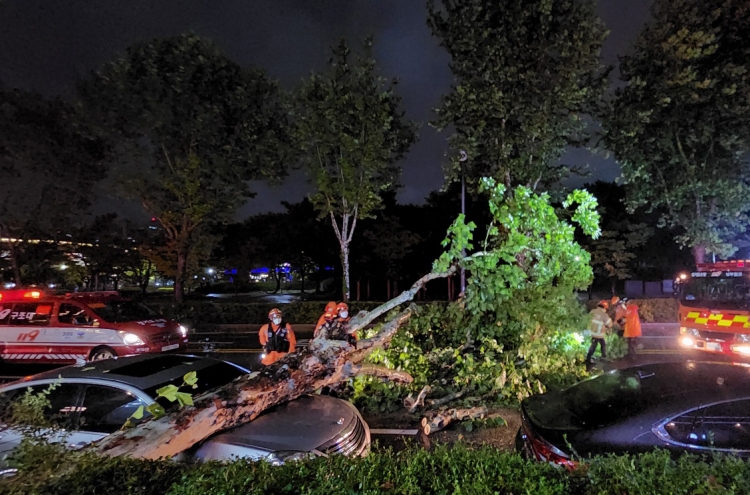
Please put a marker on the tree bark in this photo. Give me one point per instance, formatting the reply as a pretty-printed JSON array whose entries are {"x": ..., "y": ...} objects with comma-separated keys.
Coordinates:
[
  {"x": 699, "y": 254},
  {"x": 346, "y": 292},
  {"x": 323, "y": 363},
  {"x": 440, "y": 419},
  {"x": 179, "y": 279}
]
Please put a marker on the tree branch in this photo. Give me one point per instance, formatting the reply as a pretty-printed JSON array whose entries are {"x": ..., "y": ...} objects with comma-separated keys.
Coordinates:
[{"x": 383, "y": 372}]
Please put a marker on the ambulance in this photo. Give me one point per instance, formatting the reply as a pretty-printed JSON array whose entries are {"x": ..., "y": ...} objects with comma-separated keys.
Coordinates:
[
  {"x": 715, "y": 308},
  {"x": 36, "y": 327}
]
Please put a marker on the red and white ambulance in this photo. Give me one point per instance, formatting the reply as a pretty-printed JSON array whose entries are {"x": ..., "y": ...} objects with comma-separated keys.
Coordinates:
[{"x": 36, "y": 327}]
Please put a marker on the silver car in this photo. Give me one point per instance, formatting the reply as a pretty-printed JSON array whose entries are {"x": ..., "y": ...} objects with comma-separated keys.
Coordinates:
[{"x": 94, "y": 400}]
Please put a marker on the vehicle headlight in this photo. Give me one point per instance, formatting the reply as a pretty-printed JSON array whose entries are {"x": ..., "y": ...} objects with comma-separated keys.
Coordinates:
[
  {"x": 742, "y": 337},
  {"x": 131, "y": 339},
  {"x": 183, "y": 330},
  {"x": 690, "y": 332},
  {"x": 283, "y": 456}
]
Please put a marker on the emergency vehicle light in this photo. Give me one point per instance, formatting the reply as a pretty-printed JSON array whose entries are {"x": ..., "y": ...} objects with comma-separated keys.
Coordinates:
[{"x": 32, "y": 294}]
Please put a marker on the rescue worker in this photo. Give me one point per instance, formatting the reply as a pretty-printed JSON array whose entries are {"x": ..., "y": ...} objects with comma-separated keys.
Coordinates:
[
  {"x": 599, "y": 323},
  {"x": 620, "y": 313},
  {"x": 329, "y": 314},
  {"x": 632, "y": 325},
  {"x": 276, "y": 337},
  {"x": 342, "y": 313}
]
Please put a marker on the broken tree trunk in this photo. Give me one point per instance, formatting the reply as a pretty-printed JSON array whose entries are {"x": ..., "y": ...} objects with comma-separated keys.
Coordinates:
[
  {"x": 323, "y": 363},
  {"x": 440, "y": 419}
]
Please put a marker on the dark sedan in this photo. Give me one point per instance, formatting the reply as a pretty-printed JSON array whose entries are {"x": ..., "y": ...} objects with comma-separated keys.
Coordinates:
[{"x": 681, "y": 407}]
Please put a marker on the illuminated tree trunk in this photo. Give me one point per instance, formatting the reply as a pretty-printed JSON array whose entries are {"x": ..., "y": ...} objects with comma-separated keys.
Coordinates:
[{"x": 323, "y": 363}]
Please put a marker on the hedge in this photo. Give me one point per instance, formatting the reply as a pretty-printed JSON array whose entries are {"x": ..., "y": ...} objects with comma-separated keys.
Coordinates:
[
  {"x": 203, "y": 312},
  {"x": 444, "y": 470},
  {"x": 659, "y": 310}
]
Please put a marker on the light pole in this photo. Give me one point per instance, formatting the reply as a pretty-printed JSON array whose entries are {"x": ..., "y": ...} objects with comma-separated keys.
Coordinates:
[{"x": 462, "y": 158}]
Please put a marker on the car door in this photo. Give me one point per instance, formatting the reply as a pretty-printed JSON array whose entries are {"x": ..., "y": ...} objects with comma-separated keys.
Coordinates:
[
  {"x": 62, "y": 412},
  {"x": 104, "y": 410},
  {"x": 27, "y": 336}
]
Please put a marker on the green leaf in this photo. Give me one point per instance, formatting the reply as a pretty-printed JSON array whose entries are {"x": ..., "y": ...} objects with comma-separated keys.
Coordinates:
[
  {"x": 191, "y": 378},
  {"x": 169, "y": 392},
  {"x": 184, "y": 399},
  {"x": 156, "y": 410},
  {"x": 138, "y": 414}
]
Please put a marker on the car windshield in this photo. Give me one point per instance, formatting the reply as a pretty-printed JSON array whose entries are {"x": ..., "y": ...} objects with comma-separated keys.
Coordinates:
[
  {"x": 208, "y": 378},
  {"x": 717, "y": 293},
  {"x": 606, "y": 398},
  {"x": 122, "y": 311}
]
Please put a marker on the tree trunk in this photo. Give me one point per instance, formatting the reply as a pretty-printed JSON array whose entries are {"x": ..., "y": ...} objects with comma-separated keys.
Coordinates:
[
  {"x": 358, "y": 285},
  {"x": 179, "y": 279},
  {"x": 387, "y": 288},
  {"x": 699, "y": 254},
  {"x": 144, "y": 280},
  {"x": 278, "y": 280},
  {"x": 368, "y": 289},
  {"x": 302, "y": 275},
  {"x": 323, "y": 363},
  {"x": 346, "y": 288},
  {"x": 14, "y": 261},
  {"x": 440, "y": 419}
]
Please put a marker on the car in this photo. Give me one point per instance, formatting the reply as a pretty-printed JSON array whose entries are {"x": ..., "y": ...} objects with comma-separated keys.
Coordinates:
[
  {"x": 699, "y": 407},
  {"x": 41, "y": 328},
  {"x": 92, "y": 401}
]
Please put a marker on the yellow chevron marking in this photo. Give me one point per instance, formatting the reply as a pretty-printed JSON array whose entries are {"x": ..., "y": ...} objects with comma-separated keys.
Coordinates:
[
  {"x": 715, "y": 317},
  {"x": 725, "y": 323},
  {"x": 701, "y": 321},
  {"x": 741, "y": 319},
  {"x": 693, "y": 314}
]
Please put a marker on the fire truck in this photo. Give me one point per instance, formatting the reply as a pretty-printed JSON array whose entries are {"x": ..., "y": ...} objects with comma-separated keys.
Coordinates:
[{"x": 715, "y": 308}]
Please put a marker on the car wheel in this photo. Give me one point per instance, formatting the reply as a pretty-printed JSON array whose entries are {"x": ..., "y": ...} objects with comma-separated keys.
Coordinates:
[{"x": 101, "y": 353}]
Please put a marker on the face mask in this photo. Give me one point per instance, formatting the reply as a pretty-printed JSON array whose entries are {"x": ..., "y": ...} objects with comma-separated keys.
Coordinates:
[
  {"x": 276, "y": 321},
  {"x": 344, "y": 314}
]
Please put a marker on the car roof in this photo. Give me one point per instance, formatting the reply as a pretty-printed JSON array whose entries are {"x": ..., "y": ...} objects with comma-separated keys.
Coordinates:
[{"x": 141, "y": 372}]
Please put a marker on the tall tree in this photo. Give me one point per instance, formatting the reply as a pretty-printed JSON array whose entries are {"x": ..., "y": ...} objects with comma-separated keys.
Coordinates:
[
  {"x": 525, "y": 73},
  {"x": 205, "y": 126},
  {"x": 49, "y": 162},
  {"x": 681, "y": 126},
  {"x": 351, "y": 133}
]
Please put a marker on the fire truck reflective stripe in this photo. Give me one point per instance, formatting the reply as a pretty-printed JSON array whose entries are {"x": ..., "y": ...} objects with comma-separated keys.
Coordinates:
[
  {"x": 19, "y": 357},
  {"x": 715, "y": 317},
  {"x": 701, "y": 321},
  {"x": 693, "y": 314},
  {"x": 741, "y": 319},
  {"x": 725, "y": 323}
]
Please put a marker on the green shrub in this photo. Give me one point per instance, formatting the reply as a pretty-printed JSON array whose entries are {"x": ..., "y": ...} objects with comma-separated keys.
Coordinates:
[
  {"x": 446, "y": 469},
  {"x": 658, "y": 310}
]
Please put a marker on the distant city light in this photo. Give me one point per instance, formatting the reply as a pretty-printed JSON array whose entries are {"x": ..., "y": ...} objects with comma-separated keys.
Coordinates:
[
  {"x": 63, "y": 267},
  {"x": 210, "y": 271}
]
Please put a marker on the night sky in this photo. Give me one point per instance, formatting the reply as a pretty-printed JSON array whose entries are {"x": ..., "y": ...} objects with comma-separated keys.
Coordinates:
[{"x": 46, "y": 44}]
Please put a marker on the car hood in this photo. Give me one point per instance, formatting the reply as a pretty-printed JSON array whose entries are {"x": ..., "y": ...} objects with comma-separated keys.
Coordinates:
[
  {"x": 302, "y": 425},
  {"x": 548, "y": 411}
]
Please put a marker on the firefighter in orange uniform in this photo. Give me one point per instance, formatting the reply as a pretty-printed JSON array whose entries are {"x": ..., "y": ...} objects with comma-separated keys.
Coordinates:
[
  {"x": 328, "y": 315},
  {"x": 342, "y": 312},
  {"x": 632, "y": 325},
  {"x": 620, "y": 310},
  {"x": 276, "y": 337}
]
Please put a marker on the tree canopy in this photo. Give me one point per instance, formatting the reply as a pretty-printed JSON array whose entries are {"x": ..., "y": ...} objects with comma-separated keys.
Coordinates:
[
  {"x": 202, "y": 126},
  {"x": 350, "y": 132},
  {"x": 525, "y": 73},
  {"x": 681, "y": 126}
]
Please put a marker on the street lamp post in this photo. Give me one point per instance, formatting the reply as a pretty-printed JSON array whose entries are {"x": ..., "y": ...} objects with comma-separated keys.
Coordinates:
[{"x": 462, "y": 158}]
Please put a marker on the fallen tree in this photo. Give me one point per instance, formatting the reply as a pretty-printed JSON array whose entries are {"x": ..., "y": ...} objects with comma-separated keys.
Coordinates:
[
  {"x": 323, "y": 363},
  {"x": 523, "y": 277}
]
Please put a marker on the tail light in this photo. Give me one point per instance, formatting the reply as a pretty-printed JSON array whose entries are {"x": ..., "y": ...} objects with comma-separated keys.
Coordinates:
[{"x": 545, "y": 451}]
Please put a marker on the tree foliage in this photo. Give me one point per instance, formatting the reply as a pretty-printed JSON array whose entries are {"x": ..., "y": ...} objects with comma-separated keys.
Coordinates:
[
  {"x": 681, "y": 125},
  {"x": 525, "y": 73},
  {"x": 204, "y": 126},
  {"x": 350, "y": 131},
  {"x": 513, "y": 333}
]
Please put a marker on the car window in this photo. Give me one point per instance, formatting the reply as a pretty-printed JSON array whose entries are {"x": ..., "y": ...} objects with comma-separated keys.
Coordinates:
[
  {"x": 606, "y": 398},
  {"x": 106, "y": 409},
  {"x": 63, "y": 402},
  {"x": 30, "y": 314},
  {"x": 71, "y": 314},
  {"x": 122, "y": 311},
  {"x": 210, "y": 377},
  {"x": 720, "y": 426}
]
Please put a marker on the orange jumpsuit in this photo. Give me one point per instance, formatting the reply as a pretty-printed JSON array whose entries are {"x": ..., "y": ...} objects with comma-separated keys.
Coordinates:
[
  {"x": 276, "y": 335},
  {"x": 632, "y": 322}
]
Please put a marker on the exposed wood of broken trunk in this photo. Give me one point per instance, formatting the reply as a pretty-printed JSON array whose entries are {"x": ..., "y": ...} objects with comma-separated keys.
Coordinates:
[{"x": 322, "y": 363}]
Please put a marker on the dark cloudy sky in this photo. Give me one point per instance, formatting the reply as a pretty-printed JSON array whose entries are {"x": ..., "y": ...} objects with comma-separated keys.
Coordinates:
[{"x": 46, "y": 44}]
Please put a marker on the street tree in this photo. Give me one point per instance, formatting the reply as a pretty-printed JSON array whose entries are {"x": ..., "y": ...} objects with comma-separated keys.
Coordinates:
[
  {"x": 351, "y": 132},
  {"x": 49, "y": 162},
  {"x": 680, "y": 127},
  {"x": 525, "y": 75},
  {"x": 192, "y": 127}
]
